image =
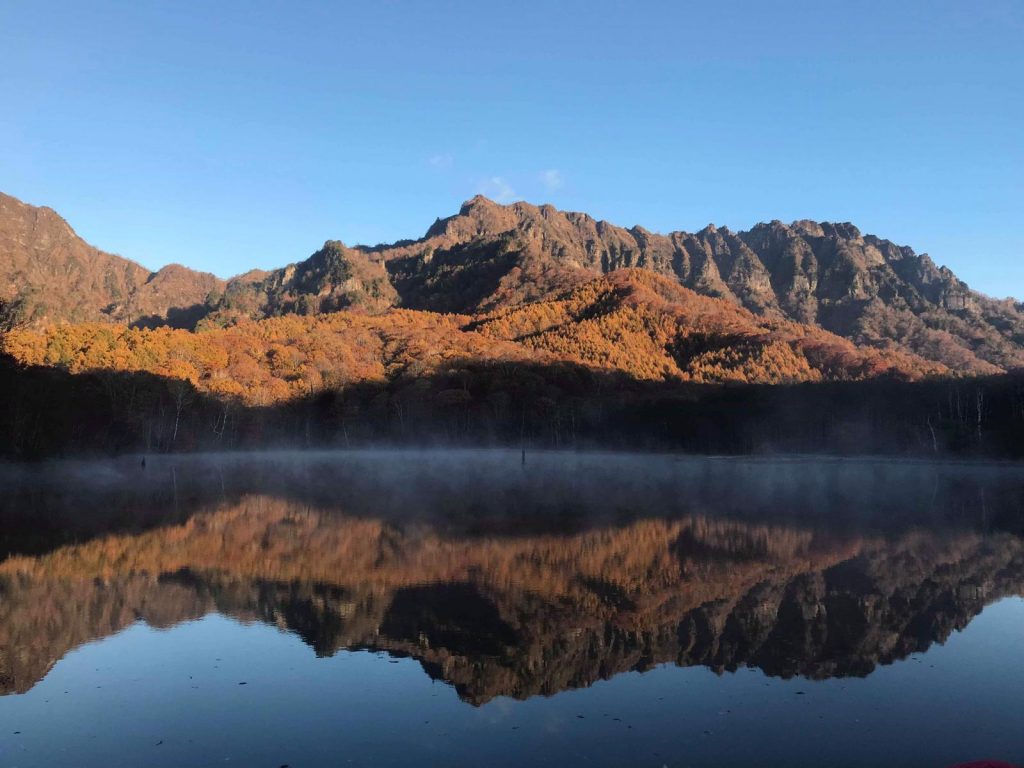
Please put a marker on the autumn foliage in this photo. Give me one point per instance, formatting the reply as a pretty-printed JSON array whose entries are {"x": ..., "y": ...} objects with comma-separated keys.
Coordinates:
[{"x": 631, "y": 322}]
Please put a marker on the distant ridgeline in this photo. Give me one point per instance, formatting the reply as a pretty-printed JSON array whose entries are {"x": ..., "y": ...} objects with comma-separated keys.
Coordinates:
[{"x": 509, "y": 324}]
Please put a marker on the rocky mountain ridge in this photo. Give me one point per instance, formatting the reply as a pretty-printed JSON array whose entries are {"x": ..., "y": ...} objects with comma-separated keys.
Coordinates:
[{"x": 489, "y": 257}]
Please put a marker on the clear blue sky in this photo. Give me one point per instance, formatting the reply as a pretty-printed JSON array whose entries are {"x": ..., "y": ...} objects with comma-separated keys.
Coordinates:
[{"x": 228, "y": 135}]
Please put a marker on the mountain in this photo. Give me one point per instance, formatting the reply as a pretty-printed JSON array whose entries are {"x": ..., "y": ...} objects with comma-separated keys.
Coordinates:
[
  {"x": 491, "y": 258},
  {"x": 61, "y": 278}
]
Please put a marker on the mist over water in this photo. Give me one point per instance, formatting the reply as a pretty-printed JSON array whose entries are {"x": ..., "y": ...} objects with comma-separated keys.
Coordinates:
[
  {"x": 594, "y": 488},
  {"x": 472, "y": 607}
]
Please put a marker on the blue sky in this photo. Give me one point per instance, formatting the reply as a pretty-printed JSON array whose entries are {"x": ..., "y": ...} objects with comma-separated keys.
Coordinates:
[{"x": 229, "y": 135}]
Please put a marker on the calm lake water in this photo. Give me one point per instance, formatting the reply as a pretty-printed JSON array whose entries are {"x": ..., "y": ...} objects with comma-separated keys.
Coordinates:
[{"x": 464, "y": 609}]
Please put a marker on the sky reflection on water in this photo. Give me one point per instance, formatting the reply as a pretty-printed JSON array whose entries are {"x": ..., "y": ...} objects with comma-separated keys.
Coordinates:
[{"x": 208, "y": 618}]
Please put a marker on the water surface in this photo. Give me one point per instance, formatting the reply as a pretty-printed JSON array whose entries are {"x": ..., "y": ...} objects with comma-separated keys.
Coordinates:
[{"x": 399, "y": 608}]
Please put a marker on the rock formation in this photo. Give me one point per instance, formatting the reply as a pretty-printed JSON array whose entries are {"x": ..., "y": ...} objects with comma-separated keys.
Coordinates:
[{"x": 491, "y": 257}]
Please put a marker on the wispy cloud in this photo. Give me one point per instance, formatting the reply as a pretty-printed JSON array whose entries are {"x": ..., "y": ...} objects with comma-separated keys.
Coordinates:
[
  {"x": 441, "y": 161},
  {"x": 552, "y": 179},
  {"x": 498, "y": 189}
]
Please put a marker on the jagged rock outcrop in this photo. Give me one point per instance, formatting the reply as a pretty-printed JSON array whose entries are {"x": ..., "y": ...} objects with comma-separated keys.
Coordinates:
[
  {"x": 334, "y": 278},
  {"x": 829, "y": 275}
]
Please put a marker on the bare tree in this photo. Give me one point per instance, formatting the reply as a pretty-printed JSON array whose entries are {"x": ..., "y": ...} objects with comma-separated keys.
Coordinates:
[
  {"x": 182, "y": 395},
  {"x": 980, "y": 403}
]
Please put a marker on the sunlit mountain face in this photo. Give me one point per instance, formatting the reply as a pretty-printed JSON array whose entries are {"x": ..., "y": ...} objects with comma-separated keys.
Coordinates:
[
  {"x": 517, "y": 576},
  {"x": 823, "y": 280}
]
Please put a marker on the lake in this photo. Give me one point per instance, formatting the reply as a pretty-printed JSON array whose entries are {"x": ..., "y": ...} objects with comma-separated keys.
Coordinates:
[{"x": 467, "y": 608}]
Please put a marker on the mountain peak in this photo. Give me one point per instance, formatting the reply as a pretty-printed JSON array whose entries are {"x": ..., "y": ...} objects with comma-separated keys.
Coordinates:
[{"x": 476, "y": 203}]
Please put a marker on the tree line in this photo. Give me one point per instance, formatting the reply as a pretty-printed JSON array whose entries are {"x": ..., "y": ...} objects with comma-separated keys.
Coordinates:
[{"x": 47, "y": 411}]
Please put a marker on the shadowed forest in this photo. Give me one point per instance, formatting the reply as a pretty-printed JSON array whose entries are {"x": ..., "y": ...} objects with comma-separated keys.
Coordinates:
[{"x": 49, "y": 412}]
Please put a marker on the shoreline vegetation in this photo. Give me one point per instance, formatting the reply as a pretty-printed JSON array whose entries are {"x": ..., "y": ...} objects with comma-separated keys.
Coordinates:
[{"x": 48, "y": 412}]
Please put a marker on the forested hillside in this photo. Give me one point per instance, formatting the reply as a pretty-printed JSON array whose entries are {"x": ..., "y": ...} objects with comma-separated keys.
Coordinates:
[{"x": 630, "y": 322}]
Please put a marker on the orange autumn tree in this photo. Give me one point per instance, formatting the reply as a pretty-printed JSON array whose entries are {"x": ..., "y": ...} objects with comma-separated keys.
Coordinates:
[{"x": 631, "y": 322}]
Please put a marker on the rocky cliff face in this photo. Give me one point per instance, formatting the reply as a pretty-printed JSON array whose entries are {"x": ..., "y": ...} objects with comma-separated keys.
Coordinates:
[
  {"x": 333, "y": 279},
  {"x": 829, "y": 275},
  {"x": 60, "y": 277},
  {"x": 489, "y": 257}
]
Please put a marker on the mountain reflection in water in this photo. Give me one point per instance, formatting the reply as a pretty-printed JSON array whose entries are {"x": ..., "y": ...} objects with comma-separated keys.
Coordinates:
[{"x": 511, "y": 581}]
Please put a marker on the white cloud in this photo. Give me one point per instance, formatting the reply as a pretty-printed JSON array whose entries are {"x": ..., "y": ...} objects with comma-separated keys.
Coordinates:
[
  {"x": 552, "y": 179},
  {"x": 441, "y": 161},
  {"x": 498, "y": 189}
]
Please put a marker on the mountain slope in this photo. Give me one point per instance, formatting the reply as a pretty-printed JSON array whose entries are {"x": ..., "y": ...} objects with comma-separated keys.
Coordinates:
[
  {"x": 650, "y": 327},
  {"x": 489, "y": 257},
  {"x": 629, "y": 322},
  {"x": 861, "y": 287},
  {"x": 60, "y": 277},
  {"x": 332, "y": 279},
  {"x": 866, "y": 289}
]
